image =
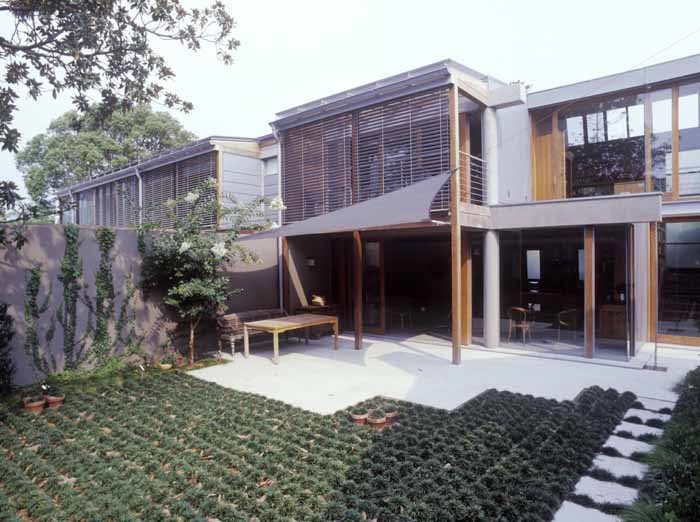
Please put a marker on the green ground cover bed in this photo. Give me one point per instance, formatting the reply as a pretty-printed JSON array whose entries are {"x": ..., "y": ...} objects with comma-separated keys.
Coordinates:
[
  {"x": 670, "y": 492},
  {"x": 171, "y": 447}
]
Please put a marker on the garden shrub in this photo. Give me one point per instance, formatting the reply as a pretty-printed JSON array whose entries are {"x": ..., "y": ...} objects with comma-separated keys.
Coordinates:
[
  {"x": 168, "y": 445},
  {"x": 671, "y": 489}
]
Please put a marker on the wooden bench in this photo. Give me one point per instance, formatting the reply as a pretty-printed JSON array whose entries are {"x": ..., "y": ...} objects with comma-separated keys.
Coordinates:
[
  {"x": 230, "y": 326},
  {"x": 287, "y": 324}
]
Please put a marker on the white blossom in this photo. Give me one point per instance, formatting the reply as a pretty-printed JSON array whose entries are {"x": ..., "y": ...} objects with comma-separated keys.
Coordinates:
[
  {"x": 171, "y": 203},
  {"x": 277, "y": 204},
  {"x": 219, "y": 249},
  {"x": 191, "y": 197},
  {"x": 184, "y": 247}
]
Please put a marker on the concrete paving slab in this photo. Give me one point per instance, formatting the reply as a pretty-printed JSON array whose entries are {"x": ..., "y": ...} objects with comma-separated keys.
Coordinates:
[
  {"x": 419, "y": 369},
  {"x": 638, "y": 429},
  {"x": 570, "y": 512},
  {"x": 646, "y": 415},
  {"x": 620, "y": 467},
  {"x": 627, "y": 447},
  {"x": 605, "y": 492},
  {"x": 655, "y": 404}
]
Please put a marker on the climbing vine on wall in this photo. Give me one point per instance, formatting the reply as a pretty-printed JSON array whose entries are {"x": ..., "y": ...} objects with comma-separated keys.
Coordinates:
[
  {"x": 41, "y": 358},
  {"x": 69, "y": 275},
  {"x": 110, "y": 334}
]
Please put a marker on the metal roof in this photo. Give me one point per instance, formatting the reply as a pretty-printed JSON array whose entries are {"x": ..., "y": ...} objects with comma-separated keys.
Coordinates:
[
  {"x": 423, "y": 78},
  {"x": 632, "y": 79}
]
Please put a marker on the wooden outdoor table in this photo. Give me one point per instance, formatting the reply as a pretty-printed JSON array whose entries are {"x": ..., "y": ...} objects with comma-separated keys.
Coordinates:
[{"x": 286, "y": 324}]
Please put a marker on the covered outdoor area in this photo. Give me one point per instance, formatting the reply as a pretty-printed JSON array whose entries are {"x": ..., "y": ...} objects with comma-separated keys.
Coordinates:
[{"x": 418, "y": 368}]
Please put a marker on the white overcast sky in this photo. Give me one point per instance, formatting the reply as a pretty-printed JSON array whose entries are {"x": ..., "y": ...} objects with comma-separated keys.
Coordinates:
[{"x": 295, "y": 51}]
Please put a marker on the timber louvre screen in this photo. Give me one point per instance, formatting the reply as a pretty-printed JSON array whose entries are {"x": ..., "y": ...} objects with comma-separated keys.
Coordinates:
[{"x": 399, "y": 142}]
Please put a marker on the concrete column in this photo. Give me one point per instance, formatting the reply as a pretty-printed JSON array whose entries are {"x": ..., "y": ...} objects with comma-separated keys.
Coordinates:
[
  {"x": 490, "y": 145},
  {"x": 492, "y": 290}
]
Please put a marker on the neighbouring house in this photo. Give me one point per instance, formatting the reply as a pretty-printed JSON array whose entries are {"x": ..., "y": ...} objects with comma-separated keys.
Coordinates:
[
  {"x": 445, "y": 200},
  {"x": 241, "y": 168}
]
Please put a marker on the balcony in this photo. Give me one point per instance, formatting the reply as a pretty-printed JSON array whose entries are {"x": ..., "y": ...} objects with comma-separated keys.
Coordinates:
[{"x": 473, "y": 182}]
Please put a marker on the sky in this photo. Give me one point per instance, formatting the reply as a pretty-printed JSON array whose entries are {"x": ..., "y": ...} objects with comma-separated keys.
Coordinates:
[{"x": 296, "y": 51}]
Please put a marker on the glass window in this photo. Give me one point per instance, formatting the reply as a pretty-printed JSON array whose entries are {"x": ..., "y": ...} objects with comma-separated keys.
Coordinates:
[
  {"x": 661, "y": 140},
  {"x": 635, "y": 120},
  {"x": 617, "y": 123},
  {"x": 610, "y": 159},
  {"x": 679, "y": 279},
  {"x": 574, "y": 131},
  {"x": 596, "y": 127},
  {"x": 533, "y": 264},
  {"x": 689, "y": 140}
]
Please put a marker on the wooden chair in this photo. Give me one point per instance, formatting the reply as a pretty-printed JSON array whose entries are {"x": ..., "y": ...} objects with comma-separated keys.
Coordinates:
[
  {"x": 518, "y": 320},
  {"x": 567, "y": 318}
]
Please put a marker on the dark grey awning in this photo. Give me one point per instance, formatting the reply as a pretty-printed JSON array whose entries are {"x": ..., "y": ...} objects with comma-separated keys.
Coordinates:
[{"x": 409, "y": 205}]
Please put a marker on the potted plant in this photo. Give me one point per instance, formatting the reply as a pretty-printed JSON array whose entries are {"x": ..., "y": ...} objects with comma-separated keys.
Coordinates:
[
  {"x": 168, "y": 360},
  {"x": 392, "y": 414},
  {"x": 53, "y": 397},
  {"x": 376, "y": 419},
  {"x": 34, "y": 402},
  {"x": 359, "y": 415}
]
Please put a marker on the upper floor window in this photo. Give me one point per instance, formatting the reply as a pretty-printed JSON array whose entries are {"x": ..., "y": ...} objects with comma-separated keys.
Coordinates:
[{"x": 689, "y": 140}]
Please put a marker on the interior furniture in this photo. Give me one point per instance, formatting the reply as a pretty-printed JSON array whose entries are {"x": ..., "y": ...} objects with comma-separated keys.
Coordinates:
[
  {"x": 612, "y": 319},
  {"x": 567, "y": 318},
  {"x": 288, "y": 324},
  {"x": 230, "y": 326},
  {"x": 518, "y": 319}
]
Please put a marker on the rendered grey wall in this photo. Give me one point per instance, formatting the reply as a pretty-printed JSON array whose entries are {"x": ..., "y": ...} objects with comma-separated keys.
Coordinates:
[
  {"x": 514, "y": 176},
  {"x": 46, "y": 246},
  {"x": 641, "y": 278}
]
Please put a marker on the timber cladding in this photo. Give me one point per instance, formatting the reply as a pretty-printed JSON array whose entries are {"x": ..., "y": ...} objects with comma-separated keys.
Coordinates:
[{"x": 352, "y": 157}]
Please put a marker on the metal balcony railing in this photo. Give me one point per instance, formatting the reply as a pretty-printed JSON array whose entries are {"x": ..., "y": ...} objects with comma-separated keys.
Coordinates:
[{"x": 473, "y": 183}]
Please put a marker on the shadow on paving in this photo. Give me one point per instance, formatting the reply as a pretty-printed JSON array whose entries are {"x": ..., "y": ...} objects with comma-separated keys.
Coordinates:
[{"x": 500, "y": 457}]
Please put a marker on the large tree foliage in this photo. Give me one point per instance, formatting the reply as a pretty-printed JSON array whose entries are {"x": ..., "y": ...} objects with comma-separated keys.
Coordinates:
[
  {"x": 81, "y": 146},
  {"x": 101, "y": 51}
]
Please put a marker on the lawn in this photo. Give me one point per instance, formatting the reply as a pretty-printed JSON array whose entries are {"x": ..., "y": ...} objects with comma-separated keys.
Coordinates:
[{"x": 171, "y": 447}]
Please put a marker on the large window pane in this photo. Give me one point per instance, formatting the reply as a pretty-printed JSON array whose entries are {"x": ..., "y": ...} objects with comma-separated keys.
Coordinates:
[
  {"x": 661, "y": 118},
  {"x": 609, "y": 157},
  {"x": 689, "y": 140},
  {"x": 679, "y": 279}
]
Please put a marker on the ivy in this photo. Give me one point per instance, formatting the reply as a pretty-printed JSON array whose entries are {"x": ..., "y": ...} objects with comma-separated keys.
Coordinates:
[
  {"x": 7, "y": 366},
  {"x": 104, "y": 296},
  {"x": 38, "y": 352},
  {"x": 69, "y": 276}
]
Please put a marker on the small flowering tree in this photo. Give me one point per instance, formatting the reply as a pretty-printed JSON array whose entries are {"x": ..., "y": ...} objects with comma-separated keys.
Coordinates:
[{"x": 187, "y": 260}]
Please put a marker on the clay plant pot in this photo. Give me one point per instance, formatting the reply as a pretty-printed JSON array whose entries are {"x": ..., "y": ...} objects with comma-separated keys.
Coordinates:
[
  {"x": 54, "y": 401},
  {"x": 33, "y": 405},
  {"x": 359, "y": 418},
  {"x": 164, "y": 366},
  {"x": 376, "y": 420},
  {"x": 391, "y": 417}
]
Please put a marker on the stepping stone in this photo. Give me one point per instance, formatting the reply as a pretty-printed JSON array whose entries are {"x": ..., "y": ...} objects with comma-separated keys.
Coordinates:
[
  {"x": 656, "y": 404},
  {"x": 605, "y": 492},
  {"x": 570, "y": 512},
  {"x": 620, "y": 467},
  {"x": 628, "y": 446},
  {"x": 638, "y": 429},
  {"x": 646, "y": 415}
]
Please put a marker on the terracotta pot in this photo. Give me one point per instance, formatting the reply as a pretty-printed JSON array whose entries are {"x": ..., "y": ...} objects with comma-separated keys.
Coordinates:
[
  {"x": 164, "y": 366},
  {"x": 35, "y": 407},
  {"x": 359, "y": 419},
  {"x": 54, "y": 401},
  {"x": 378, "y": 423},
  {"x": 391, "y": 417}
]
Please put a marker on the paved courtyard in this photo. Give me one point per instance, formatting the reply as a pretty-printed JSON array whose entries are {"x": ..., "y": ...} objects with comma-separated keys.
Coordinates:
[{"x": 418, "y": 369}]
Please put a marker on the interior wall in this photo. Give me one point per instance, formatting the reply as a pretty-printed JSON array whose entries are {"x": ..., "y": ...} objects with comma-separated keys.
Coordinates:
[{"x": 305, "y": 279}]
